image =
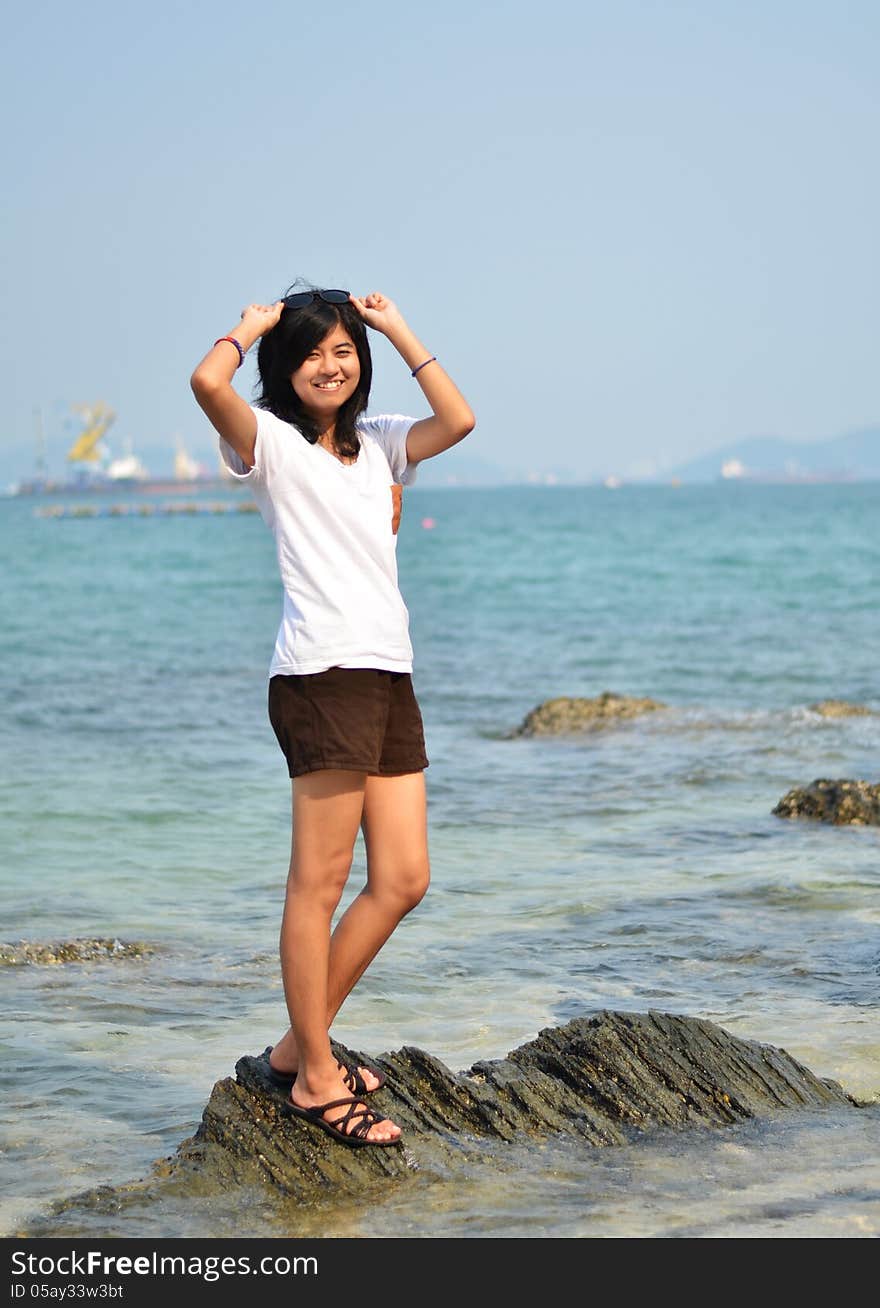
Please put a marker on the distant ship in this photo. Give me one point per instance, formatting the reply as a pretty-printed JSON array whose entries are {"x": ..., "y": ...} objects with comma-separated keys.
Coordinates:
[
  {"x": 93, "y": 466},
  {"x": 92, "y": 462},
  {"x": 186, "y": 468},
  {"x": 95, "y": 470},
  {"x": 127, "y": 469}
]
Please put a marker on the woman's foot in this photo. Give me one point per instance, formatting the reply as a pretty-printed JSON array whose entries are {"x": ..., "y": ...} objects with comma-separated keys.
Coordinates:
[{"x": 345, "y": 1114}]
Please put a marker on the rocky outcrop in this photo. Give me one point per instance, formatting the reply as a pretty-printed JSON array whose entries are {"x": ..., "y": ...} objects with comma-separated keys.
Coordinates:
[
  {"x": 70, "y": 951},
  {"x": 605, "y": 1079},
  {"x": 840, "y": 708},
  {"x": 563, "y": 715},
  {"x": 853, "y": 803}
]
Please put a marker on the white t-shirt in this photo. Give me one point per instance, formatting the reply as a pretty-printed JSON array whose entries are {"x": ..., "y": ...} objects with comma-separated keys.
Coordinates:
[{"x": 337, "y": 552}]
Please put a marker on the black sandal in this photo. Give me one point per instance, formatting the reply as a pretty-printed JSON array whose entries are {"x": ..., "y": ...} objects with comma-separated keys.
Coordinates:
[
  {"x": 353, "y": 1079},
  {"x": 364, "y": 1119}
]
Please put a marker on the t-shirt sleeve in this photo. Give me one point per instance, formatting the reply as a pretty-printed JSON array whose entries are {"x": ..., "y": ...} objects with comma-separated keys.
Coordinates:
[
  {"x": 270, "y": 431},
  {"x": 390, "y": 430}
]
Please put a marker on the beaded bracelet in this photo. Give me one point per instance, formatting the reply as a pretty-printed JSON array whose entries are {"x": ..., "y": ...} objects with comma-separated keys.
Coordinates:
[
  {"x": 233, "y": 341},
  {"x": 433, "y": 359}
]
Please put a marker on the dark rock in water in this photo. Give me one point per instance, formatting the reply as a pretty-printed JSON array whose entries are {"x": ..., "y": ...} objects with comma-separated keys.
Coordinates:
[
  {"x": 70, "y": 951},
  {"x": 853, "y": 803},
  {"x": 559, "y": 716},
  {"x": 606, "y": 1079},
  {"x": 840, "y": 708}
]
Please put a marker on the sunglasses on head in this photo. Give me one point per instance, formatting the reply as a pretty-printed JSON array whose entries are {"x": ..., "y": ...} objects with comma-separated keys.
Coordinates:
[{"x": 302, "y": 298}]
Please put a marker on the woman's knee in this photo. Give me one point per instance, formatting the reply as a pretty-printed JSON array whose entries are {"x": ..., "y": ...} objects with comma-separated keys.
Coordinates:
[
  {"x": 323, "y": 882},
  {"x": 406, "y": 887},
  {"x": 416, "y": 890}
]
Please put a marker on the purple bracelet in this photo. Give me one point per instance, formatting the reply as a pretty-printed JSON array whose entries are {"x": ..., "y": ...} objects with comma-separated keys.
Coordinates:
[
  {"x": 433, "y": 359},
  {"x": 233, "y": 341}
]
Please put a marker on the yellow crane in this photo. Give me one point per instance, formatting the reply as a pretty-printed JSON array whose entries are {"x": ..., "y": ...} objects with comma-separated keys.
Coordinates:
[{"x": 97, "y": 419}]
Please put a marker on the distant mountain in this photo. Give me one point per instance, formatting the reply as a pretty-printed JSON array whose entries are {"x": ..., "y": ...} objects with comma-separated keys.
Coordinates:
[{"x": 853, "y": 457}]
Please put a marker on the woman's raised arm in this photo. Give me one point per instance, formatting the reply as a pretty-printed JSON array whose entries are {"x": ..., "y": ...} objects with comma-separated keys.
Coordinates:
[
  {"x": 212, "y": 386},
  {"x": 452, "y": 418}
]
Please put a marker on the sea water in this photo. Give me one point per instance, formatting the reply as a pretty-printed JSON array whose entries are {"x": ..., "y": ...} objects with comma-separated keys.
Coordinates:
[{"x": 639, "y": 867}]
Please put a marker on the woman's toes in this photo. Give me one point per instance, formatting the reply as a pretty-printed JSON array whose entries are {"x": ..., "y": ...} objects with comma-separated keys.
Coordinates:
[{"x": 385, "y": 1130}]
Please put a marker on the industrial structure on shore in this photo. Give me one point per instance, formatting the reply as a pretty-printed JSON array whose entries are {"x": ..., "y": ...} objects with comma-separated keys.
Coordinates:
[{"x": 93, "y": 468}]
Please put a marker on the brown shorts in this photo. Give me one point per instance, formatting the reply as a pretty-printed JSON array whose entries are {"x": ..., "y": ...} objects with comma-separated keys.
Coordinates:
[{"x": 358, "y": 719}]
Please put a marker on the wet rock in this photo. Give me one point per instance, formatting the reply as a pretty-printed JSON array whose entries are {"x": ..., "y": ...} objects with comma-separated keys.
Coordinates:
[
  {"x": 70, "y": 951},
  {"x": 840, "y": 708},
  {"x": 603, "y": 1080},
  {"x": 563, "y": 715},
  {"x": 853, "y": 803}
]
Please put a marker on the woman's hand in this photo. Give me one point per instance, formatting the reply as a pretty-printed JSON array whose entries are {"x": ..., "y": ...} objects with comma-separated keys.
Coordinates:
[
  {"x": 379, "y": 312},
  {"x": 258, "y": 319}
]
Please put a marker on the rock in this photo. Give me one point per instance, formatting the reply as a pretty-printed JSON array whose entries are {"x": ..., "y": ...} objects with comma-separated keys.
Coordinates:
[
  {"x": 840, "y": 708},
  {"x": 70, "y": 951},
  {"x": 854, "y": 803},
  {"x": 558, "y": 716},
  {"x": 605, "y": 1079}
]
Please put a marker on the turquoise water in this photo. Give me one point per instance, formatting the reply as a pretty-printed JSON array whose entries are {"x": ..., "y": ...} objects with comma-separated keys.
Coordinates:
[{"x": 144, "y": 798}]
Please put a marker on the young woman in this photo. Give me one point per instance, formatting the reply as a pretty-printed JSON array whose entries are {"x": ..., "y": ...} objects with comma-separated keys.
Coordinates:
[{"x": 326, "y": 479}]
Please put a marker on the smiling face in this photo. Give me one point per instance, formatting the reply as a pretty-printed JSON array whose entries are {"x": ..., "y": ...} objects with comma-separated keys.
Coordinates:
[{"x": 328, "y": 376}]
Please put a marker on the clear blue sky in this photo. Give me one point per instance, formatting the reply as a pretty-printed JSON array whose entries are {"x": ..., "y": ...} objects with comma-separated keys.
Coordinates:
[{"x": 632, "y": 231}]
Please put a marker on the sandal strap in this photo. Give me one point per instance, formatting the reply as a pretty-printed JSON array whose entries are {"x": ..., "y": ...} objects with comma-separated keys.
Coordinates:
[
  {"x": 362, "y": 1117},
  {"x": 368, "y": 1118},
  {"x": 318, "y": 1110},
  {"x": 353, "y": 1079}
]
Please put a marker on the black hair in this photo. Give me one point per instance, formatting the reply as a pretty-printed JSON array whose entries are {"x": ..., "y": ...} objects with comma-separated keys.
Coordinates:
[{"x": 286, "y": 347}]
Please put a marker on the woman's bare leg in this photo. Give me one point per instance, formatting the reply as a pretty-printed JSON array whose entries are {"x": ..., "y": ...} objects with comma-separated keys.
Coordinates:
[
  {"x": 327, "y": 810},
  {"x": 395, "y": 830},
  {"x": 394, "y": 821}
]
